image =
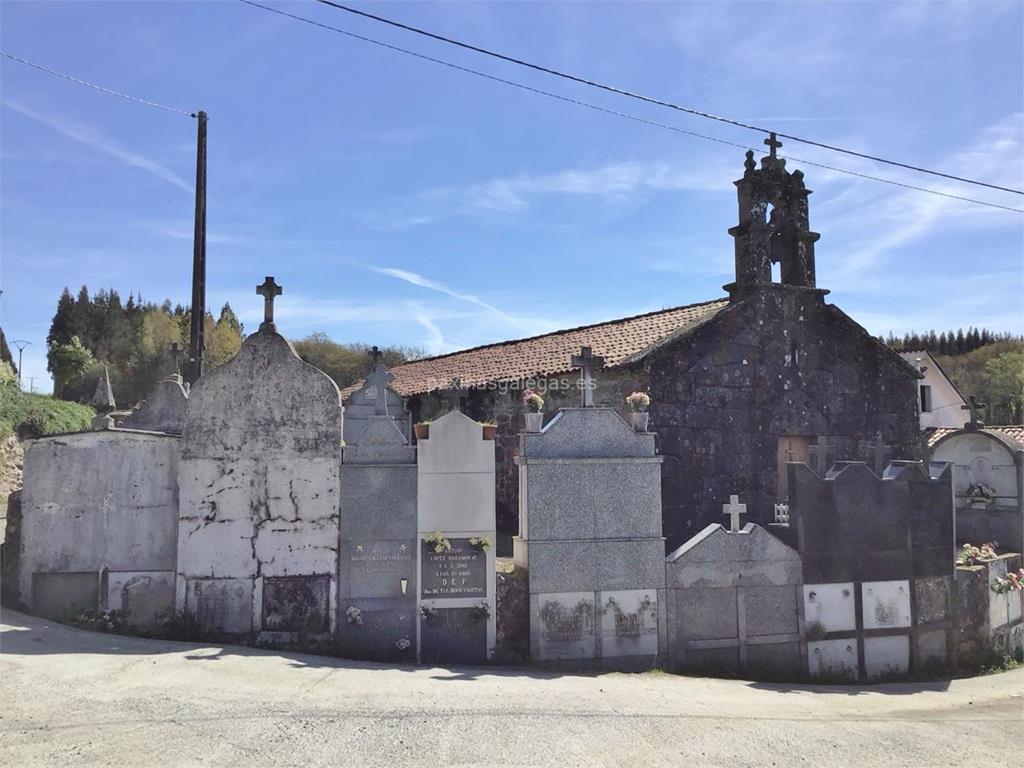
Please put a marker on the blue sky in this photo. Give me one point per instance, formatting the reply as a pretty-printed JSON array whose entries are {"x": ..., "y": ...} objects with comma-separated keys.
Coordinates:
[{"x": 400, "y": 202}]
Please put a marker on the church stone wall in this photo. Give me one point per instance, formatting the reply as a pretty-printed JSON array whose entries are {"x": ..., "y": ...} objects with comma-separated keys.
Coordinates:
[
  {"x": 778, "y": 363},
  {"x": 259, "y": 483}
]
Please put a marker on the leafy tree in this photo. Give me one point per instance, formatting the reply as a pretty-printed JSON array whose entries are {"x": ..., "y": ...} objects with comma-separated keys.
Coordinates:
[
  {"x": 67, "y": 362},
  {"x": 348, "y": 363},
  {"x": 1004, "y": 384}
]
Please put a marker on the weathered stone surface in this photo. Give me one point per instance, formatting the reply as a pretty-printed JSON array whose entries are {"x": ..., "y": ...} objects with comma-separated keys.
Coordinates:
[
  {"x": 587, "y": 433},
  {"x": 296, "y": 604},
  {"x": 145, "y": 597},
  {"x": 65, "y": 596},
  {"x": 163, "y": 410},
  {"x": 260, "y": 481},
  {"x": 98, "y": 499}
]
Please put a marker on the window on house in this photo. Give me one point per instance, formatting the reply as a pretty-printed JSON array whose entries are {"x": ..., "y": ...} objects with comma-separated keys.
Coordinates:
[{"x": 926, "y": 398}]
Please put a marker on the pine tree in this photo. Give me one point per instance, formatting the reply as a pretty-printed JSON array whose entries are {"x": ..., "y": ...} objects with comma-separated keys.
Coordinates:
[
  {"x": 961, "y": 345},
  {"x": 5, "y": 353},
  {"x": 63, "y": 326}
]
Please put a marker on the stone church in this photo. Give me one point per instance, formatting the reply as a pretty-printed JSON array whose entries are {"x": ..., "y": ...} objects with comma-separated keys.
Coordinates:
[{"x": 740, "y": 385}]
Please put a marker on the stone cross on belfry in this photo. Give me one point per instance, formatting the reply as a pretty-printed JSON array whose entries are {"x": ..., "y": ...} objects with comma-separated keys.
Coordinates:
[
  {"x": 587, "y": 361},
  {"x": 819, "y": 455},
  {"x": 772, "y": 144},
  {"x": 268, "y": 291},
  {"x": 454, "y": 394},
  {"x": 973, "y": 404},
  {"x": 734, "y": 509}
]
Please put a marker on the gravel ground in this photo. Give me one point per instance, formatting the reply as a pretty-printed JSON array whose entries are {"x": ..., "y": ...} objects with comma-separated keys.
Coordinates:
[{"x": 75, "y": 698}]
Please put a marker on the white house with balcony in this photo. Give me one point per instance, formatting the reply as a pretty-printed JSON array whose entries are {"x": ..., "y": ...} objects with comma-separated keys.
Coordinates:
[{"x": 939, "y": 402}]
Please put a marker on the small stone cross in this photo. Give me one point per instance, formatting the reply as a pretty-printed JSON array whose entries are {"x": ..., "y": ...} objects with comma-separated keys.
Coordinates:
[
  {"x": 375, "y": 353},
  {"x": 772, "y": 144},
  {"x": 587, "y": 361},
  {"x": 973, "y": 404},
  {"x": 734, "y": 509},
  {"x": 819, "y": 455},
  {"x": 268, "y": 291},
  {"x": 880, "y": 450},
  {"x": 454, "y": 394},
  {"x": 173, "y": 353}
]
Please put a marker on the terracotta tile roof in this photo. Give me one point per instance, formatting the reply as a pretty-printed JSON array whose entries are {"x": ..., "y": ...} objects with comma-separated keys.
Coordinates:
[
  {"x": 618, "y": 341},
  {"x": 1013, "y": 434}
]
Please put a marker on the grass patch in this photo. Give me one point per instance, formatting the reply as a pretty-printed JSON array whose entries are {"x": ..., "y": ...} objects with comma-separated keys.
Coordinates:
[{"x": 30, "y": 415}]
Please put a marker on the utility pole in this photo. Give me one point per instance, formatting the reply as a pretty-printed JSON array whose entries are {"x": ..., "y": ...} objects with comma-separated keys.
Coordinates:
[
  {"x": 20, "y": 344},
  {"x": 198, "y": 315}
]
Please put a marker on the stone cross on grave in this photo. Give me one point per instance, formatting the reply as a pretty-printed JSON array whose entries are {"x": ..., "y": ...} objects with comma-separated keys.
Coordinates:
[
  {"x": 454, "y": 394},
  {"x": 819, "y": 455},
  {"x": 772, "y": 144},
  {"x": 973, "y": 404},
  {"x": 734, "y": 509},
  {"x": 375, "y": 353},
  {"x": 268, "y": 291},
  {"x": 881, "y": 450},
  {"x": 587, "y": 361}
]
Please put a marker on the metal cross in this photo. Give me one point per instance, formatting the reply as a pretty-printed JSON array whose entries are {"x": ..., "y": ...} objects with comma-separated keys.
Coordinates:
[
  {"x": 772, "y": 144},
  {"x": 880, "y": 450},
  {"x": 454, "y": 394},
  {"x": 973, "y": 404},
  {"x": 734, "y": 509},
  {"x": 587, "y": 361},
  {"x": 268, "y": 291},
  {"x": 819, "y": 455}
]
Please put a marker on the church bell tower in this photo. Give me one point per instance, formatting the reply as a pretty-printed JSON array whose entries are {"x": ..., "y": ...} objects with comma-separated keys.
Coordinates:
[{"x": 774, "y": 226}]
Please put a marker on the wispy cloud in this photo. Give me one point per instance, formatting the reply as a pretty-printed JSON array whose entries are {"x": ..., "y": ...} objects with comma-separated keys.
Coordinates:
[
  {"x": 435, "y": 342},
  {"x": 898, "y": 218},
  {"x": 93, "y": 139},
  {"x": 425, "y": 282}
]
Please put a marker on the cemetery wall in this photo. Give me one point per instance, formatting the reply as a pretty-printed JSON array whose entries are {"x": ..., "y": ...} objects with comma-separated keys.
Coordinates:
[
  {"x": 982, "y": 458},
  {"x": 735, "y": 605},
  {"x": 99, "y": 523},
  {"x": 259, "y": 484},
  {"x": 989, "y": 623},
  {"x": 877, "y": 557},
  {"x": 778, "y": 363}
]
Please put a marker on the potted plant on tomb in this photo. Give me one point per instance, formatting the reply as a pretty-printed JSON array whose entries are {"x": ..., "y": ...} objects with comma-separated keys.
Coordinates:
[
  {"x": 980, "y": 495},
  {"x": 422, "y": 429},
  {"x": 533, "y": 403},
  {"x": 638, "y": 403},
  {"x": 490, "y": 429}
]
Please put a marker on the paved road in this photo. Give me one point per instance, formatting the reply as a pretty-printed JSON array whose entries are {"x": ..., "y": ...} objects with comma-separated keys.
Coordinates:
[{"x": 73, "y": 698}]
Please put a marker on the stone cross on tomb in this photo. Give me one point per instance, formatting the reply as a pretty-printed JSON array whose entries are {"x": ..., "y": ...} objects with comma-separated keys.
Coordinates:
[
  {"x": 587, "y": 361},
  {"x": 772, "y": 144},
  {"x": 734, "y": 509},
  {"x": 819, "y": 455},
  {"x": 173, "y": 353},
  {"x": 454, "y": 394},
  {"x": 880, "y": 450},
  {"x": 973, "y": 404},
  {"x": 375, "y": 353},
  {"x": 268, "y": 291}
]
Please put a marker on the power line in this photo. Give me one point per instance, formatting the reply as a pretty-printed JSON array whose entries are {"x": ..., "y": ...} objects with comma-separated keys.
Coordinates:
[
  {"x": 614, "y": 112},
  {"x": 110, "y": 91},
  {"x": 651, "y": 100}
]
